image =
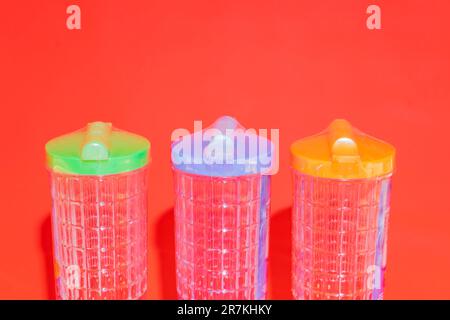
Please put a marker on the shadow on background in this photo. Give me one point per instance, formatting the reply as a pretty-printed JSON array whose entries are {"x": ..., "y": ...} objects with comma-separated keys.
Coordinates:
[
  {"x": 47, "y": 255},
  {"x": 165, "y": 243},
  {"x": 280, "y": 255}
]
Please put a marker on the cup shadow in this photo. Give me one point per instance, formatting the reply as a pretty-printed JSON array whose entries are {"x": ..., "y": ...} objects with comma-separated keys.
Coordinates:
[
  {"x": 47, "y": 255},
  {"x": 165, "y": 243},
  {"x": 280, "y": 244}
]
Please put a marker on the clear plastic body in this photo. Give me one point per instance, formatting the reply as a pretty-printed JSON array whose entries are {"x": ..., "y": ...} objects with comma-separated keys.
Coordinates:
[
  {"x": 221, "y": 236},
  {"x": 339, "y": 237},
  {"x": 100, "y": 235}
]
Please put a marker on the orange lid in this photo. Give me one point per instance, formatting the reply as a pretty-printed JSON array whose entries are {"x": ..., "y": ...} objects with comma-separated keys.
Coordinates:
[{"x": 342, "y": 152}]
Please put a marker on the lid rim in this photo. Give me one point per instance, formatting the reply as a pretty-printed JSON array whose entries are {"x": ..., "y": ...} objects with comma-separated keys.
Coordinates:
[
  {"x": 387, "y": 175},
  {"x": 95, "y": 175}
]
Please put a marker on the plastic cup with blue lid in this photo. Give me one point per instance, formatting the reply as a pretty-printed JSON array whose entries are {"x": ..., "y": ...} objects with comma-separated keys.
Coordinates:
[{"x": 222, "y": 191}]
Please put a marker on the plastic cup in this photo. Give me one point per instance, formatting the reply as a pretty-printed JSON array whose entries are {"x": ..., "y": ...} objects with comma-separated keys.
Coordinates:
[
  {"x": 221, "y": 222},
  {"x": 342, "y": 183},
  {"x": 99, "y": 213}
]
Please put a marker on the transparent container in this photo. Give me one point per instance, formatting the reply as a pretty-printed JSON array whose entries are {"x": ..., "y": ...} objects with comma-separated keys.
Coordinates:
[
  {"x": 99, "y": 213},
  {"x": 221, "y": 226},
  {"x": 342, "y": 183}
]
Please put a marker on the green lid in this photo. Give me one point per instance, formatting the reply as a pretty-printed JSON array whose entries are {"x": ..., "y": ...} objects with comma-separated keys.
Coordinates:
[{"x": 97, "y": 149}]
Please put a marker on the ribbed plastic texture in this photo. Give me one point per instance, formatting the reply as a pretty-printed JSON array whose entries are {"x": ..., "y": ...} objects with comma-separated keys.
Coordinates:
[
  {"x": 100, "y": 235},
  {"x": 339, "y": 237},
  {"x": 221, "y": 236}
]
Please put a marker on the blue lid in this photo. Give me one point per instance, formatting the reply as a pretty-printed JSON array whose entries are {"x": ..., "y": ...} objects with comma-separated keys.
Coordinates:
[{"x": 225, "y": 149}]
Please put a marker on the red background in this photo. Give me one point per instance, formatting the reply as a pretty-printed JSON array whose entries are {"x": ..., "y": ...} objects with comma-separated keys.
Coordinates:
[{"x": 153, "y": 66}]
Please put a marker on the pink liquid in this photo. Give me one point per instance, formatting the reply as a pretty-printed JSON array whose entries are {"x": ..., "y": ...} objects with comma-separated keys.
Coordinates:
[
  {"x": 339, "y": 237},
  {"x": 100, "y": 235},
  {"x": 221, "y": 236}
]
